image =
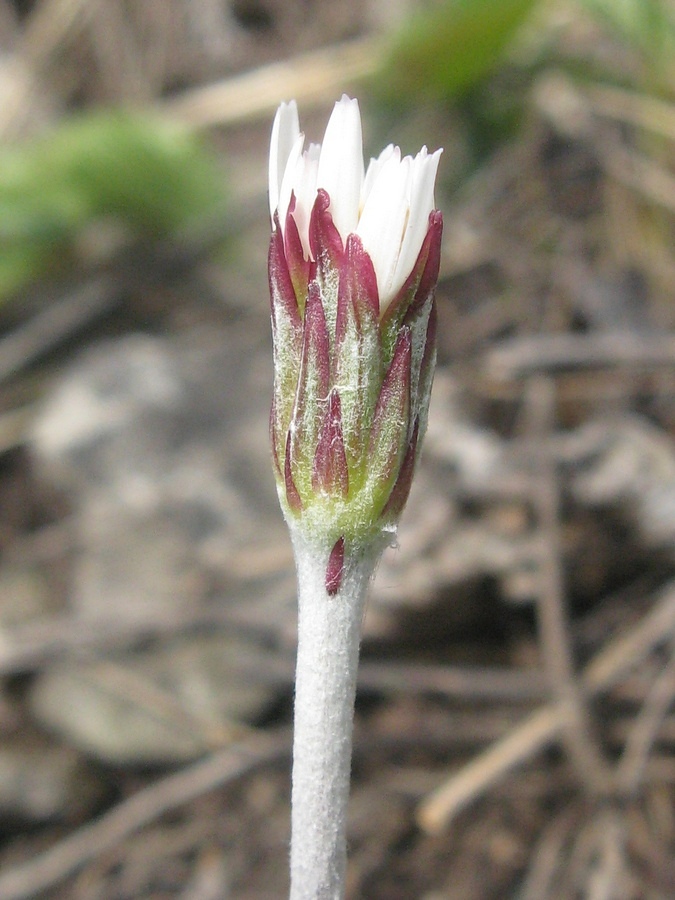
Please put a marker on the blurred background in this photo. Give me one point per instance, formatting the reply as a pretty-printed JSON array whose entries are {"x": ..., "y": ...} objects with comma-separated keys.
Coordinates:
[{"x": 514, "y": 732}]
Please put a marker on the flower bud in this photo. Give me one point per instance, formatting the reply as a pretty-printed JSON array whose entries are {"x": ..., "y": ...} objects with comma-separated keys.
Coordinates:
[{"x": 353, "y": 264}]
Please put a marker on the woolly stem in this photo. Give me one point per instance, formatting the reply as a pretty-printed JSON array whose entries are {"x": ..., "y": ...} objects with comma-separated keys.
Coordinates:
[{"x": 329, "y": 632}]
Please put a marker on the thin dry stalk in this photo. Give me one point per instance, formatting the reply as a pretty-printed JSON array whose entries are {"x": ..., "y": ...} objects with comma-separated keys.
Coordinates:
[
  {"x": 549, "y": 353},
  {"x": 310, "y": 79},
  {"x": 543, "y": 726},
  {"x": 554, "y": 635},
  {"x": 631, "y": 108},
  {"x": 49, "y": 26},
  {"x": 645, "y": 730},
  {"x": 608, "y": 880},
  {"x": 548, "y": 855},
  {"x": 67, "y": 856}
]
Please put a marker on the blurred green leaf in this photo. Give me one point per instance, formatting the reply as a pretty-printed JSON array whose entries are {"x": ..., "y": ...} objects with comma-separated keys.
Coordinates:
[
  {"x": 443, "y": 51},
  {"x": 147, "y": 175},
  {"x": 34, "y": 205},
  {"x": 19, "y": 265},
  {"x": 148, "y": 172},
  {"x": 648, "y": 28}
]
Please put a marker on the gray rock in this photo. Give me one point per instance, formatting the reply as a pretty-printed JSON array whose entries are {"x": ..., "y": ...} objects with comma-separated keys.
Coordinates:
[
  {"x": 165, "y": 705},
  {"x": 162, "y": 447},
  {"x": 40, "y": 783}
]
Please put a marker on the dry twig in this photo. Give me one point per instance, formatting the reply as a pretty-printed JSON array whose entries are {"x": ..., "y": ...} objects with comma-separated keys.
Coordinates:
[
  {"x": 611, "y": 663},
  {"x": 309, "y": 79},
  {"x": 49, "y": 26},
  {"x": 529, "y": 354},
  {"x": 554, "y": 635},
  {"x": 67, "y": 856},
  {"x": 631, "y": 768}
]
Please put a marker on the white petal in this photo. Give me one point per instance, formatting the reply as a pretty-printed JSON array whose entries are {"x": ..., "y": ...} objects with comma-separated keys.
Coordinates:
[
  {"x": 287, "y": 183},
  {"x": 374, "y": 169},
  {"x": 341, "y": 164},
  {"x": 384, "y": 219},
  {"x": 285, "y": 131},
  {"x": 305, "y": 191},
  {"x": 423, "y": 177}
]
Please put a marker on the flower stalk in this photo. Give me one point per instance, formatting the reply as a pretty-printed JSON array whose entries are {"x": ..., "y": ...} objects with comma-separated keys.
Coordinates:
[
  {"x": 329, "y": 627},
  {"x": 353, "y": 262}
]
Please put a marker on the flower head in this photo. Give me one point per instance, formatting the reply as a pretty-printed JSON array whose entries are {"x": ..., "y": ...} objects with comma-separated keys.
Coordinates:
[
  {"x": 353, "y": 263},
  {"x": 387, "y": 205}
]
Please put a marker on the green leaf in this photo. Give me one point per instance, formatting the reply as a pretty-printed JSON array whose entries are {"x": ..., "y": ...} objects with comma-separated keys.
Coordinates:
[
  {"x": 647, "y": 27},
  {"x": 148, "y": 175},
  {"x": 440, "y": 53},
  {"x": 146, "y": 171}
]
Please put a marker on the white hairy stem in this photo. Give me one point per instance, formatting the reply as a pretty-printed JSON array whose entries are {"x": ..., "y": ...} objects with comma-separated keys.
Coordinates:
[{"x": 329, "y": 632}]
